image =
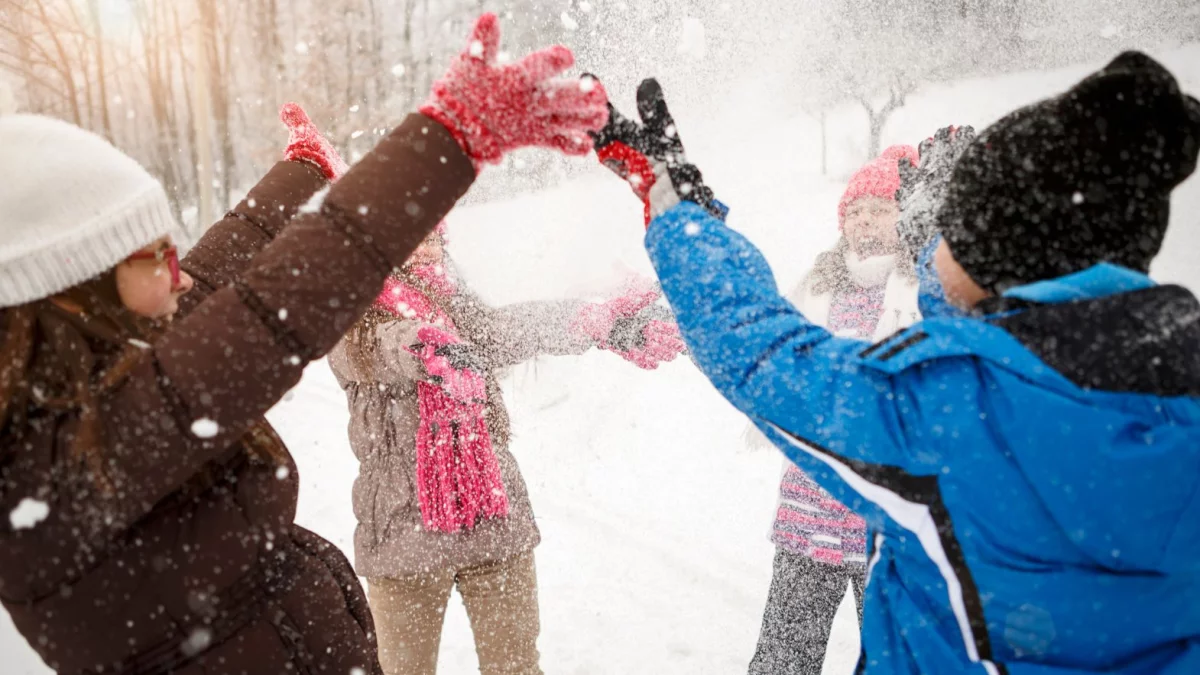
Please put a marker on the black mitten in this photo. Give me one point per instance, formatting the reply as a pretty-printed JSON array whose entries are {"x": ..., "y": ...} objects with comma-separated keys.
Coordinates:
[
  {"x": 650, "y": 156},
  {"x": 923, "y": 187}
]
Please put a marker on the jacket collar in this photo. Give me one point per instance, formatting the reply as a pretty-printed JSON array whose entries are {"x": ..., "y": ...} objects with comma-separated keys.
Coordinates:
[{"x": 1094, "y": 282}]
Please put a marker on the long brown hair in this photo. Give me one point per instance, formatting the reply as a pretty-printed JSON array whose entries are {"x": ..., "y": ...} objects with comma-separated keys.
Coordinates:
[
  {"x": 62, "y": 355},
  {"x": 831, "y": 273}
]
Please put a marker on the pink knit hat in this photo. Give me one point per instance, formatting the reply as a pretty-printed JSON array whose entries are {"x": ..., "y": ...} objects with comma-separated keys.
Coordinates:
[{"x": 878, "y": 178}]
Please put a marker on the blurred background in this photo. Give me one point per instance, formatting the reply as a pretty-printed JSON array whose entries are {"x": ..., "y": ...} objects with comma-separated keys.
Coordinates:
[
  {"x": 191, "y": 87},
  {"x": 655, "y": 516}
]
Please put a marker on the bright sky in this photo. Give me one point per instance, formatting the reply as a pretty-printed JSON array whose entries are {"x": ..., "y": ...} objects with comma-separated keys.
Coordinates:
[{"x": 115, "y": 13}]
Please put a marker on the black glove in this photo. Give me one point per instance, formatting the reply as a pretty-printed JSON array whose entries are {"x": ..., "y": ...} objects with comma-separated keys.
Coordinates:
[
  {"x": 463, "y": 356},
  {"x": 923, "y": 187},
  {"x": 628, "y": 332},
  {"x": 651, "y": 152}
]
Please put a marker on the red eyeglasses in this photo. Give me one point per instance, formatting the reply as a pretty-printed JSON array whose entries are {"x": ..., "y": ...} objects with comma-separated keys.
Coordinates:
[{"x": 169, "y": 255}]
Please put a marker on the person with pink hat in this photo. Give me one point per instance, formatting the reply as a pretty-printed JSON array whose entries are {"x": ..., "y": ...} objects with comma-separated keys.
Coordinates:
[{"x": 865, "y": 287}]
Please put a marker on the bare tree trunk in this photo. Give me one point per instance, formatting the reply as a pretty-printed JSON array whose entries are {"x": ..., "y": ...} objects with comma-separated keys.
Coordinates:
[
  {"x": 201, "y": 121},
  {"x": 186, "y": 130},
  {"x": 219, "y": 87},
  {"x": 101, "y": 76},
  {"x": 876, "y": 119},
  {"x": 65, "y": 63}
]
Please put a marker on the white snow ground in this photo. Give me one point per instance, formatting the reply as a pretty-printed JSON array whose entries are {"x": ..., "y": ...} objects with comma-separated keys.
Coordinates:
[{"x": 655, "y": 557}]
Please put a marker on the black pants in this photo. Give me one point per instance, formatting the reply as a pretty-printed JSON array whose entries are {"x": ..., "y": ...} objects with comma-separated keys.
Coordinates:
[{"x": 805, "y": 595}]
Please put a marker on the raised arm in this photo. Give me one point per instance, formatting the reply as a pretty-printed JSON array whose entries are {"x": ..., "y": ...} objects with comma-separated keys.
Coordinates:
[
  {"x": 218, "y": 370},
  {"x": 515, "y": 333},
  {"x": 227, "y": 248}
]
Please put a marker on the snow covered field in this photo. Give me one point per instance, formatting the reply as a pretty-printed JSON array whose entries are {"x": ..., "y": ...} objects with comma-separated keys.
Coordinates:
[{"x": 655, "y": 556}]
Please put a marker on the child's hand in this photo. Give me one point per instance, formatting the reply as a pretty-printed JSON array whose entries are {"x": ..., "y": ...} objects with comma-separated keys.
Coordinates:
[
  {"x": 648, "y": 343},
  {"x": 451, "y": 364},
  {"x": 923, "y": 187},
  {"x": 492, "y": 109},
  {"x": 650, "y": 156},
  {"x": 306, "y": 144}
]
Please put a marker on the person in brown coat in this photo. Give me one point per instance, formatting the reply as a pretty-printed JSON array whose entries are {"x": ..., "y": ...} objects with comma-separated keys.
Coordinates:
[
  {"x": 439, "y": 498},
  {"x": 146, "y": 508}
]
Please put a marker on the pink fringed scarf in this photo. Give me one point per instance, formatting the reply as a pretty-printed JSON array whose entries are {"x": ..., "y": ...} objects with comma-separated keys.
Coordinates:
[{"x": 458, "y": 476}]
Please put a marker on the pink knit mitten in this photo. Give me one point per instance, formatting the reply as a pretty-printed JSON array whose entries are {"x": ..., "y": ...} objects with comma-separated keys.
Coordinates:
[
  {"x": 306, "y": 144},
  {"x": 661, "y": 342},
  {"x": 596, "y": 320},
  {"x": 492, "y": 109}
]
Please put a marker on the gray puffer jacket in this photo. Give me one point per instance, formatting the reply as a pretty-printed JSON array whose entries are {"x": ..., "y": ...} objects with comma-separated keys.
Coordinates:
[{"x": 390, "y": 541}]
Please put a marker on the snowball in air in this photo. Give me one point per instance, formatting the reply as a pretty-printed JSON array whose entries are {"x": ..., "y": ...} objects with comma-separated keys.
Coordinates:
[
  {"x": 205, "y": 428},
  {"x": 28, "y": 513}
]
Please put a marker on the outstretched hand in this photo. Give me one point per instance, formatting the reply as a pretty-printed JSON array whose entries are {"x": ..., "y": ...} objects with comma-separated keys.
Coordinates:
[
  {"x": 492, "y": 109},
  {"x": 307, "y": 144},
  {"x": 633, "y": 326},
  {"x": 650, "y": 156},
  {"x": 923, "y": 187}
]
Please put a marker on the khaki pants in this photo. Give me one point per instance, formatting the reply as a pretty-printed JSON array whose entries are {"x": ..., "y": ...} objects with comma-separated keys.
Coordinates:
[{"x": 501, "y": 602}]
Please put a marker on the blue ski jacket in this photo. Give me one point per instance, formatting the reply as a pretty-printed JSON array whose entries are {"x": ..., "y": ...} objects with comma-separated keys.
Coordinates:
[{"x": 1030, "y": 473}]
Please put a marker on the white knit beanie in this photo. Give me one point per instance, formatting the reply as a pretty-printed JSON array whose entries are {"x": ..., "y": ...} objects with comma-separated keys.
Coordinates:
[{"x": 71, "y": 207}]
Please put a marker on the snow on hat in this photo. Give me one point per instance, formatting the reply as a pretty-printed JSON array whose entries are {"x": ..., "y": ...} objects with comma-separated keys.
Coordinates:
[
  {"x": 1075, "y": 180},
  {"x": 878, "y": 178},
  {"x": 71, "y": 207}
]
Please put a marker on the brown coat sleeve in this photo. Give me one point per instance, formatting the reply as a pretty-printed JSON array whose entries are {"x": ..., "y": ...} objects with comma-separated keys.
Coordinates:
[
  {"x": 229, "y": 245},
  {"x": 240, "y": 350}
]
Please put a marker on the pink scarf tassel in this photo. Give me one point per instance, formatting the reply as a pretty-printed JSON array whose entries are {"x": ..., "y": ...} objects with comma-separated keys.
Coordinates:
[{"x": 458, "y": 476}]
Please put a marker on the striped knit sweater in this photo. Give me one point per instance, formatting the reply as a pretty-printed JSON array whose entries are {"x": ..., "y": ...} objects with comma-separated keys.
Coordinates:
[{"x": 808, "y": 520}]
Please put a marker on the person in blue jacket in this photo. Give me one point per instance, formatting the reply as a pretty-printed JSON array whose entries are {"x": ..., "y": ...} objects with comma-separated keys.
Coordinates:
[{"x": 1028, "y": 462}]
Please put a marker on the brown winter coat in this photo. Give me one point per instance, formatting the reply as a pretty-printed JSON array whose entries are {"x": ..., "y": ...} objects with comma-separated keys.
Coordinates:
[
  {"x": 190, "y": 562},
  {"x": 381, "y": 386}
]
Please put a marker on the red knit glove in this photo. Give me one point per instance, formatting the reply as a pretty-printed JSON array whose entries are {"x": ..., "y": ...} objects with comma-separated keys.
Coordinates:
[
  {"x": 306, "y": 144},
  {"x": 492, "y": 109}
]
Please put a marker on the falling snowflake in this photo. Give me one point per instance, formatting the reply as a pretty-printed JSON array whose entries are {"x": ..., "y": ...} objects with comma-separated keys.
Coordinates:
[
  {"x": 205, "y": 428},
  {"x": 587, "y": 84},
  {"x": 398, "y": 70},
  {"x": 691, "y": 229},
  {"x": 197, "y": 641},
  {"x": 28, "y": 513},
  {"x": 476, "y": 49},
  {"x": 282, "y": 473},
  {"x": 301, "y": 47},
  {"x": 568, "y": 22},
  {"x": 314, "y": 203}
]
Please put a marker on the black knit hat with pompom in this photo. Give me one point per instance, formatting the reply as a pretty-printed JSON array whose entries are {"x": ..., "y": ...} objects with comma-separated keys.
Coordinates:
[{"x": 1075, "y": 180}]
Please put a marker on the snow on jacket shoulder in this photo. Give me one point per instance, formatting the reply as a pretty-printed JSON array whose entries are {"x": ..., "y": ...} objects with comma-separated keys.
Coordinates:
[{"x": 1031, "y": 476}]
